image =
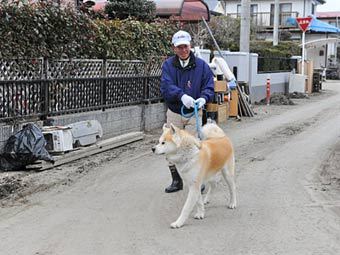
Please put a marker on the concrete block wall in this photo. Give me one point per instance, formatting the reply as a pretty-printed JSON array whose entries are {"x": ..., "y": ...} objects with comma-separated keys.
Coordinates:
[
  {"x": 114, "y": 122},
  {"x": 257, "y": 81},
  {"x": 155, "y": 116},
  {"x": 246, "y": 64}
]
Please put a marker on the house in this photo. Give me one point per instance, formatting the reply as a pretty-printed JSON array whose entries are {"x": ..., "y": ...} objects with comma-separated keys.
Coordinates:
[
  {"x": 332, "y": 18},
  {"x": 322, "y": 47},
  {"x": 326, "y": 52},
  {"x": 262, "y": 14},
  {"x": 301, "y": 7}
]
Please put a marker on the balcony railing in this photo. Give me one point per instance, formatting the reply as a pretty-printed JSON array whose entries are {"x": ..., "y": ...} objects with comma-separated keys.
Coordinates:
[{"x": 266, "y": 19}]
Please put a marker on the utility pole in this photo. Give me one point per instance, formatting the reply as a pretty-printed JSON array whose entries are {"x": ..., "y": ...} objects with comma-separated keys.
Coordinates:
[
  {"x": 276, "y": 22},
  {"x": 245, "y": 26}
]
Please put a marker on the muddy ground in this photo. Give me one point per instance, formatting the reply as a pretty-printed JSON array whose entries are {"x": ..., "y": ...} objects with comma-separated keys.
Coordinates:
[
  {"x": 15, "y": 186},
  {"x": 287, "y": 165}
]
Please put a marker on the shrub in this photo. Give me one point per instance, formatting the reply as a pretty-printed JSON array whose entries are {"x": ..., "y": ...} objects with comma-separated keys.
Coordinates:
[
  {"x": 132, "y": 39},
  {"x": 225, "y": 29},
  {"x": 283, "y": 49},
  {"x": 45, "y": 30},
  {"x": 143, "y": 10}
]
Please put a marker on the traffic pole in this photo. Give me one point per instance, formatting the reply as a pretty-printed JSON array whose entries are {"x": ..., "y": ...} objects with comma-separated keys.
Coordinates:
[
  {"x": 268, "y": 90},
  {"x": 303, "y": 53}
]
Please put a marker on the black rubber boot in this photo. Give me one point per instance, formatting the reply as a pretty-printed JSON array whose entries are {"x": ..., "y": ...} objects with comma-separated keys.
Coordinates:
[{"x": 177, "y": 183}]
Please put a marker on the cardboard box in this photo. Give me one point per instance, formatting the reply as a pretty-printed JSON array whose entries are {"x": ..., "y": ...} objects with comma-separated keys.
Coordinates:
[
  {"x": 218, "y": 112},
  {"x": 212, "y": 107},
  {"x": 220, "y": 86},
  {"x": 233, "y": 103},
  {"x": 308, "y": 70}
]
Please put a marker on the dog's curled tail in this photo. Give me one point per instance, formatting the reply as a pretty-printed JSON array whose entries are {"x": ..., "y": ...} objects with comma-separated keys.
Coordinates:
[{"x": 211, "y": 130}]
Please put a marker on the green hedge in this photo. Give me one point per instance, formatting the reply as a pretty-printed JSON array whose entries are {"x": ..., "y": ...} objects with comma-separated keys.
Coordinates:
[
  {"x": 131, "y": 39},
  {"x": 45, "y": 30},
  {"x": 284, "y": 49},
  {"x": 143, "y": 10}
]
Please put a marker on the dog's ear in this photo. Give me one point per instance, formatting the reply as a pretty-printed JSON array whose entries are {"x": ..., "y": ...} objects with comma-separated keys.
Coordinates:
[
  {"x": 173, "y": 129},
  {"x": 165, "y": 127},
  {"x": 175, "y": 132}
]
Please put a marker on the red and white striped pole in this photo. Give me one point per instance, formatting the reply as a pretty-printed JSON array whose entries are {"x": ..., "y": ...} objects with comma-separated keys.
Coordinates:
[{"x": 268, "y": 90}]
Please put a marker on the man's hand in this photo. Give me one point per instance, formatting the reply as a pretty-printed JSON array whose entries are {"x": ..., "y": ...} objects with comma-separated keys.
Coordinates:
[
  {"x": 200, "y": 101},
  {"x": 232, "y": 84},
  {"x": 188, "y": 101}
]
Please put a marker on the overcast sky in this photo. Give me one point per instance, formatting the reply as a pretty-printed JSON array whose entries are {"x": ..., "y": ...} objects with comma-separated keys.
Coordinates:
[{"x": 329, "y": 6}]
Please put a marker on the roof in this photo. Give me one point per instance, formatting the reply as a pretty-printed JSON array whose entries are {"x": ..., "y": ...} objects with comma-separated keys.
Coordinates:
[
  {"x": 99, "y": 5},
  {"x": 317, "y": 26},
  {"x": 324, "y": 15},
  {"x": 320, "y": 26},
  {"x": 183, "y": 10}
]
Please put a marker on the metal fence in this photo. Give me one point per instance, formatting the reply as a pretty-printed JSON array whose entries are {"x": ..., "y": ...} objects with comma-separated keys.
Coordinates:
[
  {"x": 269, "y": 65},
  {"x": 262, "y": 20},
  {"x": 38, "y": 88}
]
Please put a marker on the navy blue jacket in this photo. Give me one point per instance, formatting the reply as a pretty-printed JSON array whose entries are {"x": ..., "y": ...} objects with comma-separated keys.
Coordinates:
[{"x": 195, "y": 80}]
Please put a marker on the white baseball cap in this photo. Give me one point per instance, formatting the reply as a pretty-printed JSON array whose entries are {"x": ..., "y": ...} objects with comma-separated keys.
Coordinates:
[{"x": 181, "y": 37}]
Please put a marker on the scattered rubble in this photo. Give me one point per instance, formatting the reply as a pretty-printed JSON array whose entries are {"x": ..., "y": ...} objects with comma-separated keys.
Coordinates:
[
  {"x": 9, "y": 185},
  {"x": 298, "y": 95},
  {"x": 277, "y": 99}
]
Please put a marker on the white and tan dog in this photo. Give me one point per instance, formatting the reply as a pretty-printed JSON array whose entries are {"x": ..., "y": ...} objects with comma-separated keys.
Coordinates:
[{"x": 198, "y": 162}]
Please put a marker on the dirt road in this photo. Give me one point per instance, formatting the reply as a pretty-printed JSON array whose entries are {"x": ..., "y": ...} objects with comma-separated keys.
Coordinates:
[{"x": 288, "y": 186}]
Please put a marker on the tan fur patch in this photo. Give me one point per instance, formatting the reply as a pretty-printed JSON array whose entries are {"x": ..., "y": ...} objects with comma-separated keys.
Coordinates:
[{"x": 214, "y": 154}]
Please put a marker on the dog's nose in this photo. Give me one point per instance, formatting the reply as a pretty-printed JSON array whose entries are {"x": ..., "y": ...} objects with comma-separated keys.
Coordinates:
[{"x": 153, "y": 149}]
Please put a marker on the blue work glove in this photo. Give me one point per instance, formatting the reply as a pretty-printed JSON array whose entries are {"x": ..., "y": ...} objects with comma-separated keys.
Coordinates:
[
  {"x": 200, "y": 101},
  {"x": 232, "y": 84},
  {"x": 188, "y": 101}
]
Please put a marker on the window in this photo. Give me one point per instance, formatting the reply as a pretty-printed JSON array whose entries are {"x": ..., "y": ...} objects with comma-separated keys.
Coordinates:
[
  {"x": 238, "y": 10},
  {"x": 253, "y": 13},
  {"x": 285, "y": 13},
  {"x": 313, "y": 9},
  {"x": 253, "y": 8},
  {"x": 285, "y": 8}
]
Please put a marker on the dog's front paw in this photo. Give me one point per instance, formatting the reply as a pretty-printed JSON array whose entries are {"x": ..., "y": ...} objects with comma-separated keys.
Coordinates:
[
  {"x": 199, "y": 216},
  {"x": 206, "y": 201},
  {"x": 232, "y": 205},
  {"x": 176, "y": 224}
]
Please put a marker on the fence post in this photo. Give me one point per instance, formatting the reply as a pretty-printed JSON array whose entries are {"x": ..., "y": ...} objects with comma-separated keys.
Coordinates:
[
  {"x": 268, "y": 90},
  {"x": 44, "y": 83},
  {"x": 103, "y": 85}
]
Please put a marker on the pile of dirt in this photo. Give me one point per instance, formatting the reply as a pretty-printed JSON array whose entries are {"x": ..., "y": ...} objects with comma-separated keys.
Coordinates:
[
  {"x": 278, "y": 99},
  {"x": 298, "y": 95},
  {"x": 330, "y": 174},
  {"x": 9, "y": 185}
]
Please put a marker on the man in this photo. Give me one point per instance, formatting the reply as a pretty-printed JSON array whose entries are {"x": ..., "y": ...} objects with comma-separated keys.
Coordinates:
[{"x": 185, "y": 80}]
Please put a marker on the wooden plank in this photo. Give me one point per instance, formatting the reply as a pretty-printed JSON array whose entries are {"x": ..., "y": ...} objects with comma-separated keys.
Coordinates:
[{"x": 99, "y": 147}]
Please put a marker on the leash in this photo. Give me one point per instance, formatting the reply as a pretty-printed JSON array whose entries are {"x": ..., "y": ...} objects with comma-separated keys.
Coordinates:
[{"x": 189, "y": 115}]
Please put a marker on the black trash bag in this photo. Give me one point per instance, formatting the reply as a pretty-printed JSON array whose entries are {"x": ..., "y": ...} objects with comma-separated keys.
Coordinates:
[{"x": 24, "y": 148}]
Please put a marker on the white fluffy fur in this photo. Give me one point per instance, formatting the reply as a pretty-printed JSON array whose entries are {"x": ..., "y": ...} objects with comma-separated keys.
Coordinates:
[{"x": 192, "y": 158}]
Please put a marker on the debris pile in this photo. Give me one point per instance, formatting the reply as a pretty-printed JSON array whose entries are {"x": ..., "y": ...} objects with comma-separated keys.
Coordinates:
[
  {"x": 278, "y": 99},
  {"x": 8, "y": 186},
  {"x": 298, "y": 95}
]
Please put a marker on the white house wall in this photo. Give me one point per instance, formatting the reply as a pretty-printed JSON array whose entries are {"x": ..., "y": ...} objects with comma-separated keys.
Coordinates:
[{"x": 264, "y": 6}]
